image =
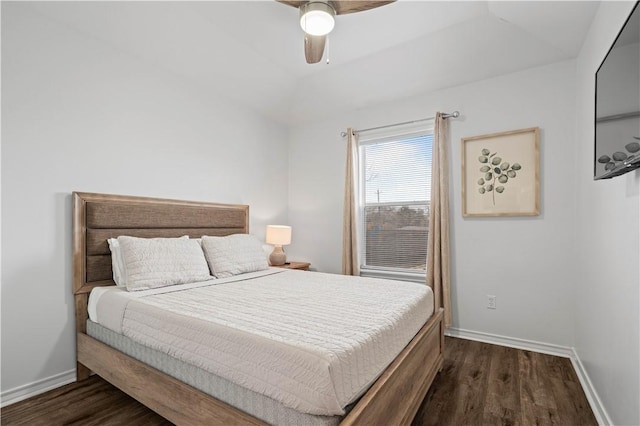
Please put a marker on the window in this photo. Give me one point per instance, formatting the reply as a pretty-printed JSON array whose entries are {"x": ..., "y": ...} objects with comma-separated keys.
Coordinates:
[{"x": 395, "y": 178}]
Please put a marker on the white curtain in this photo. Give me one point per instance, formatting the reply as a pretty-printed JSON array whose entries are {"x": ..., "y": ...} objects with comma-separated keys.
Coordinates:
[
  {"x": 350, "y": 258},
  {"x": 438, "y": 262}
]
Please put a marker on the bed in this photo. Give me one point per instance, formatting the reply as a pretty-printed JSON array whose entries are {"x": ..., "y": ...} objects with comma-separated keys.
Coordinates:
[{"x": 393, "y": 398}]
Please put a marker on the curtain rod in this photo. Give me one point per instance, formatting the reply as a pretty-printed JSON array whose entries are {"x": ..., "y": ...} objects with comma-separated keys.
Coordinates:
[{"x": 454, "y": 114}]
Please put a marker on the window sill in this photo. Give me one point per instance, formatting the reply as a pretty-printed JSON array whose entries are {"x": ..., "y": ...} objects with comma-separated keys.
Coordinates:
[{"x": 394, "y": 275}]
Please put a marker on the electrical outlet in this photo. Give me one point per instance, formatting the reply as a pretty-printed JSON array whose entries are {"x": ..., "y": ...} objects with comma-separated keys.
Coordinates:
[{"x": 491, "y": 302}]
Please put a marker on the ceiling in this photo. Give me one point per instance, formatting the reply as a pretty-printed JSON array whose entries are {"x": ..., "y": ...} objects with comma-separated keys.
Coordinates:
[{"x": 251, "y": 52}]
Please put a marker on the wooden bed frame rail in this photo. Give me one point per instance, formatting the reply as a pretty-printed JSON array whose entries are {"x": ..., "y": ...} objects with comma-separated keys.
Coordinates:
[{"x": 393, "y": 399}]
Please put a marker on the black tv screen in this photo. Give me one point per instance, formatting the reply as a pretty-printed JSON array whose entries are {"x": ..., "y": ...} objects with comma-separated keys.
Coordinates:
[{"x": 617, "y": 124}]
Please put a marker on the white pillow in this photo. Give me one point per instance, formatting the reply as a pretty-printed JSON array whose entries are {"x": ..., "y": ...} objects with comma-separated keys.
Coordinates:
[
  {"x": 234, "y": 254},
  {"x": 159, "y": 262},
  {"x": 117, "y": 263}
]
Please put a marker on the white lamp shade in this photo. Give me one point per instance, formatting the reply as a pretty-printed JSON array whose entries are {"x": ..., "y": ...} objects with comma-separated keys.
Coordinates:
[
  {"x": 316, "y": 18},
  {"x": 279, "y": 235}
]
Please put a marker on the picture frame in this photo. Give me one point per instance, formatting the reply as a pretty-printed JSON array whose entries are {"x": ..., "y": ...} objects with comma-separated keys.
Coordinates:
[{"x": 500, "y": 174}]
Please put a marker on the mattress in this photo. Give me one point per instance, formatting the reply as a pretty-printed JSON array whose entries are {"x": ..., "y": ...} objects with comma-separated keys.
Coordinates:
[
  {"x": 313, "y": 342},
  {"x": 253, "y": 403}
]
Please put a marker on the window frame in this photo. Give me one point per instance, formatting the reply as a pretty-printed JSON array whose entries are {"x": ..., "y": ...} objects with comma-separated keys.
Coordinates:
[{"x": 425, "y": 129}]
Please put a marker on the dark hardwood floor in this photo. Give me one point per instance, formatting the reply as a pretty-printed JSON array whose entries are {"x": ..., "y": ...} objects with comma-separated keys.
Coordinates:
[
  {"x": 483, "y": 384},
  {"x": 90, "y": 403},
  {"x": 480, "y": 384}
]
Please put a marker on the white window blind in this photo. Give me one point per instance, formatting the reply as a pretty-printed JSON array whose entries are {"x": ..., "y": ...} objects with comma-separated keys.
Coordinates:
[{"x": 396, "y": 188}]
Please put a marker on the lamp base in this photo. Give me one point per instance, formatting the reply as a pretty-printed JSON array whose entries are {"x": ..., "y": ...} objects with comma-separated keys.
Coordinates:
[{"x": 277, "y": 256}]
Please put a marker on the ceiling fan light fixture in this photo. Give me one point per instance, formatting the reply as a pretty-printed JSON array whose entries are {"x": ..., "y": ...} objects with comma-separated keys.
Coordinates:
[{"x": 317, "y": 18}]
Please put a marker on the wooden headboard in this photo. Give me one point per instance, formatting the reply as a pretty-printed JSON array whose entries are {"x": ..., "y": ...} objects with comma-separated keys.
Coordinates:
[{"x": 98, "y": 217}]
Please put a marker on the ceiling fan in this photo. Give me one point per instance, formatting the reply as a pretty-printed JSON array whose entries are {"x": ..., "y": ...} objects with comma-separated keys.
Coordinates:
[{"x": 317, "y": 20}]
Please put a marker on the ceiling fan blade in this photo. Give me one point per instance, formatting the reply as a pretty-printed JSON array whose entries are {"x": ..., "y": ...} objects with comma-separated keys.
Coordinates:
[
  {"x": 294, "y": 3},
  {"x": 350, "y": 6},
  {"x": 314, "y": 48}
]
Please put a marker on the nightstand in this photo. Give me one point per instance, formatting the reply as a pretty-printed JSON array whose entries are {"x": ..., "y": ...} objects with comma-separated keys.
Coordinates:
[{"x": 303, "y": 266}]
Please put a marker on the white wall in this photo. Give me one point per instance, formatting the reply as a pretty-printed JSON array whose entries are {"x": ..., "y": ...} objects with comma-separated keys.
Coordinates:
[
  {"x": 607, "y": 278},
  {"x": 79, "y": 115},
  {"x": 526, "y": 262}
]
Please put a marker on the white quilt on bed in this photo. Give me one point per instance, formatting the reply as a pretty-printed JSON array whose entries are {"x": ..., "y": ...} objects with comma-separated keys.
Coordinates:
[{"x": 313, "y": 341}]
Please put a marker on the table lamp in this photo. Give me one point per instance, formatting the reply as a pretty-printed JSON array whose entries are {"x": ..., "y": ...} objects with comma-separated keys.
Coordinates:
[{"x": 278, "y": 235}]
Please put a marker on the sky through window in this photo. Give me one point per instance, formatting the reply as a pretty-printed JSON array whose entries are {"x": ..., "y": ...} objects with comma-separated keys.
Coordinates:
[{"x": 395, "y": 170}]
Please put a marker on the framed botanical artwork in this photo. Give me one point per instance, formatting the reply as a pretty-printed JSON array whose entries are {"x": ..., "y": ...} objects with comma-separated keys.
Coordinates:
[{"x": 500, "y": 174}]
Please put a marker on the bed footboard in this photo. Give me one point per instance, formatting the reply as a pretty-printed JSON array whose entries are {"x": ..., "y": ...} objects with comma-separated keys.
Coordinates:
[{"x": 394, "y": 399}]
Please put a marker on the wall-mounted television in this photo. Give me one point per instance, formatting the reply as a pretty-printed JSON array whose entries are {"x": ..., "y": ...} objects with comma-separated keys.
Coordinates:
[{"x": 617, "y": 123}]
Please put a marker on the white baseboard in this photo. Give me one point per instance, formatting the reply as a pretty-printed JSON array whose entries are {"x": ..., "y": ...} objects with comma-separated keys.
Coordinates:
[
  {"x": 594, "y": 400},
  {"x": 530, "y": 345},
  {"x": 511, "y": 342},
  {"x": 35, "y": 388}
]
